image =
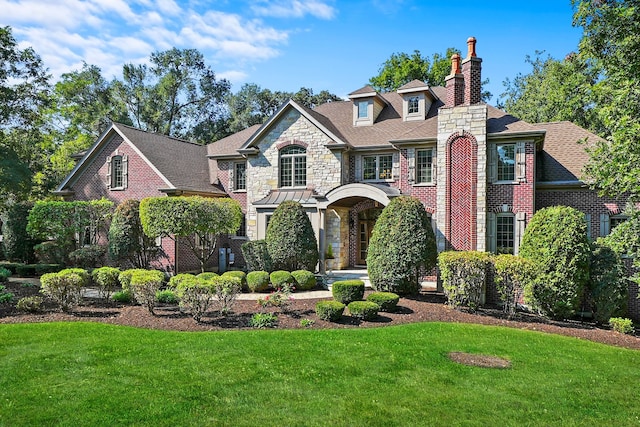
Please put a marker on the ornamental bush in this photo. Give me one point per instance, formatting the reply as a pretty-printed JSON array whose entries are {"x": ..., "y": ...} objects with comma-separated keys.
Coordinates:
[
  {"x": 196, "y": 294},
  {"x": 464, "y": 276},
  {"x": 512, "y": 273},
  {"x": 207, "y": 275},
  {"x": 621, "y": 325},
  {"x": 280, "y": 279},
  {"x": 240, "y": 275},
  {"x": 387, "y": 301},
  {"x": 226, "y": 288},
  {"x": 107, "y": 279},
  {"x": 256, "y": 255},
  {"x": 346, "y": 291},
  {"x": 402, "y": 247},
  {"x": 144, "y": 285},
  {"x": 330, "y": 311},
  {"x": 88, "y": 256},
  {"x": 555, "y": 241},
  {"x": 258, "y": 281},
  {"x": 608, "y": 289},
  {"x": 125, "y": 279},
  {"x": 291, "y": 241},
  {"x": 364, "y": 310},
  {"x": 167, "y": 296},
  {"x": 64, "y": 288},
  {"x": 304, "y": 280},
  {"x": 4, "y": 274},
  {"x": 30, "y": 304}
]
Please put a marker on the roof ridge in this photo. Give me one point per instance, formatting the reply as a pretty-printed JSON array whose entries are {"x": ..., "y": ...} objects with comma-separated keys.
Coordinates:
[{"x": 158, "y": 134}]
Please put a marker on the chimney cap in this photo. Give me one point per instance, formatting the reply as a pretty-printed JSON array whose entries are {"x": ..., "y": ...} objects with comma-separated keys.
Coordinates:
[
  {"x": 455, "y": 64},
  {"x": 471, "y": 47}
]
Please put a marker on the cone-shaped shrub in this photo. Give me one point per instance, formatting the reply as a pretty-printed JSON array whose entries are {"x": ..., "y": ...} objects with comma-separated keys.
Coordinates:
[{"x": 291, "y": 241}]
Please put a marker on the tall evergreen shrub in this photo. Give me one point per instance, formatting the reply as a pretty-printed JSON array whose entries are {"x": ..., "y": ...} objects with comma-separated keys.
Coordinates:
[
  {"x": 18, "y": 245},
  {"x": 291, "y": 241},
  {"x": 555, "y": 240},
  {"x": 402, "y": 247}
]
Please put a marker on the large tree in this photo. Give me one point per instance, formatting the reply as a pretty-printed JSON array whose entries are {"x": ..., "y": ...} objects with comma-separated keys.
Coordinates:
[
  {"x": 197, "y": 221},
  {"x": 177, "y": 94},
  {"x": 611, "y": 41},
  {"x": 24, "y": 94},
  {"x": 554, "y": 91}
]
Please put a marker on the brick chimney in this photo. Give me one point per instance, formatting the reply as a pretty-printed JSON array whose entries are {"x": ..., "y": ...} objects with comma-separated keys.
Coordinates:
[
  {"x": 454, "y": 83},
  {"x": 471, "y": 67}
]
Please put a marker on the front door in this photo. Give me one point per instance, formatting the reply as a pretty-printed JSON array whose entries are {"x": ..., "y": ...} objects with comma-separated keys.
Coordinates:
[{"x": 364, "y": 234}]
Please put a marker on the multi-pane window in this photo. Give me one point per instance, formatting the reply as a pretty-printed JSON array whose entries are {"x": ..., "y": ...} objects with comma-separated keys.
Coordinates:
[
  {"x": 377, "y": 167},
  {"x": 240, "y": 173},
  {"x": 242, "y": 231},
  {"x": 506, "y": 162},
  {"x": 117, "y": 176},
  {"x": 293, "y": 166},
  {"x": 424, "y": 166},
  {"x": 413, "y": 107},
  {"x": 505, "y": 234},
  {"x": 363, "y": 109}
]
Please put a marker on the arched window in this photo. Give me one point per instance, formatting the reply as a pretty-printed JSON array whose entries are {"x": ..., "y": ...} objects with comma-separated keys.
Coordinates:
[
  {"x": 293, "y": 166},
  {"x": 117, "y": 174}
]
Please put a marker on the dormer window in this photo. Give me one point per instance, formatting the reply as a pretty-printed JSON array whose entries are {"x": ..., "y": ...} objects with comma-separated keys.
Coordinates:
[
  {"x": 363, "y": 109},
  {"x": 414, "y": 105}
]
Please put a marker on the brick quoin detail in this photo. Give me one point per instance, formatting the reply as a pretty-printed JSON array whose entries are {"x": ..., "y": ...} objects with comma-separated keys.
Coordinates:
[{"x": 461, "y": 201}]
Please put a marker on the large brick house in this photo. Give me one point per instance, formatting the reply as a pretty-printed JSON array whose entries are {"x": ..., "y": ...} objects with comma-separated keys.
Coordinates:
[{"x": 480, "y": 173}]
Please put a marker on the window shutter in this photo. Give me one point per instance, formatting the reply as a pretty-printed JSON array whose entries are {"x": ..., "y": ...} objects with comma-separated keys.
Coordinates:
[
  {"x": 232, "y": 170},
  {"x": 434, "y": 166},
  {"x": 491, "y": 232},
  {"x": 492, "y": 167},
  {"x": 588, "y": 219},
  {"x": 109, "y": 172},
  {"x": 395, "y": 172},
  {"x": 411, "y": 161},
  {"x": 604, "y": 224},
  {"x": 125, "y": 171},
  {"x": 521, "y": 162},
  {"x": 519, "y": 231},
  {"x": 358, "y": 168}
]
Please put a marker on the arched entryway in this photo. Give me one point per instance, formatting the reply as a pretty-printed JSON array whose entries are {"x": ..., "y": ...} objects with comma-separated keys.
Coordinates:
[{"x": 348, "y": 214}]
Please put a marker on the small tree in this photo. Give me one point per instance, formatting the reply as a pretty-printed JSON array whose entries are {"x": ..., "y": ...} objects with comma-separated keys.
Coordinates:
[
  {"x": 197, "y": 220},
  {"x": 18, "y": 245},
  {"x": 127, "y": 241},
  {"x": 402, "y": 247},
  {"x": 556, "y": 242},
  {"x": 291, "y": 241}
]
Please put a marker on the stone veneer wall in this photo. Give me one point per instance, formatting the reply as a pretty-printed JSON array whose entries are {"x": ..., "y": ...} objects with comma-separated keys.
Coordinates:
[
  {"x": 465, "y": 120},
  {"x": 337, "y": 235},
  {"x": 324, "y": 171}
]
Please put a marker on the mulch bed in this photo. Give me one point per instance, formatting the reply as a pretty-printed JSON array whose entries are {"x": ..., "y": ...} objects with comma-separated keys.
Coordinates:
[{"x": 427, "y": 307}]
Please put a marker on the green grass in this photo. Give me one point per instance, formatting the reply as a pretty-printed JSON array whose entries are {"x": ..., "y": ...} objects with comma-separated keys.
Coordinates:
[{"x": 89, "y": 374}]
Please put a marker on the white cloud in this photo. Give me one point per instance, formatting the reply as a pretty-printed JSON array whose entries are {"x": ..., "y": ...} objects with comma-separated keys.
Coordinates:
[
  {"x": 295, "y": 9},
  {"x": 234, "y": 76}
]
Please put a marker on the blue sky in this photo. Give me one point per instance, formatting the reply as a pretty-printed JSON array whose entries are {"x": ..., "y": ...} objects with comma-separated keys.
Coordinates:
[{"x": 286, "y": 44}]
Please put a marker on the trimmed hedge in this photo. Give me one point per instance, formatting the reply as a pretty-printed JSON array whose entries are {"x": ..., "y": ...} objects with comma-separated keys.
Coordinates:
[
  {"x": 364, "y": 310},
  {"x": 258, "y": 281},
  {"x": 464, "y": 277},
  {"x": 107, "y": 279},
  {"x": 346, "y": 291},
  {"x": 256, "y": 255},
  {"x": 240, "y": 275},
  {"x": 329, "y": 310},
  {"x": 512, "y": 274},
  {"x": 387, "y": 301},
  {"x": 305, "y": 280},
  {"x": 280, "y": 279}
]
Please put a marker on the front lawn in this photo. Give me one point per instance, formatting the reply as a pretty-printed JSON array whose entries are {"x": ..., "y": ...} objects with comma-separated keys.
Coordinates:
[{"x": 92, "y": 374}]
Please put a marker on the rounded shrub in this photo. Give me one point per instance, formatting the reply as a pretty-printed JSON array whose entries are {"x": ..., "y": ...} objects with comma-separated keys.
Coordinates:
[
  {"x": 402, "y": 247},
  {"x": 280, "y": 279},
  {"x": 107, "y": 279},
  {"x": 555, "y": 240},
  {"x": 345, "y": 291},
  {"x": 123, "y": 297},
  {"x": 241, "y": 275},
  {"x": 64, "y": 287},
  {"x": 364, "y": 310},
  {"x": 387, "y": 301},
  {"x": 329, "y": 310},
  {"x": 30, "y": 304},
  {"x": 208, "y": 275},
  {"x": 125, "y": 279},
  {"x": 464, "y": 275},
  {"x": 305, "y": 280},
  {"x": 4, "y": 274},
  {"x": 258, "y": 281},
  {"x": 145, "y": 284},
  {"x": 291, "y": 242},
  {"x": 166, "y": 296},
  {"x": 175, "y": 281}
]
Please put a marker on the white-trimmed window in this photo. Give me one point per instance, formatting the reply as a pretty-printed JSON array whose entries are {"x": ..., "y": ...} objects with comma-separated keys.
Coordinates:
[
  {"x": 293, "y": 166},
  {"x": 117, "y": 172},
  {"x": 377, "y": 168},
  {"x": 504, "y": 232},
  {"x": 507, "y": 163},
  {"x": 413, "y": 106},
  {"x": 240, "y": 176},
  {"x": 363, "y": 109},
  {"x": 424, "y": 166}
]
